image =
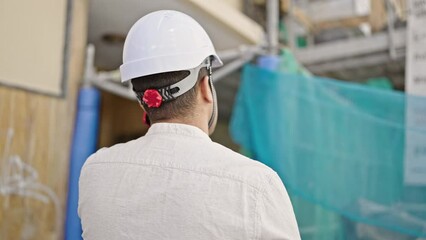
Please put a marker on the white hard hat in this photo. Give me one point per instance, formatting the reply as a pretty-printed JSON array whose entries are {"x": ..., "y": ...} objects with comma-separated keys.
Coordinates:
[{"x": 165, "y": 41}]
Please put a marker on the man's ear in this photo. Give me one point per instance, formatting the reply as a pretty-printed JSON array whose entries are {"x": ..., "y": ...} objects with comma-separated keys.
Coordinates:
[{"x": 206, "y": 92}]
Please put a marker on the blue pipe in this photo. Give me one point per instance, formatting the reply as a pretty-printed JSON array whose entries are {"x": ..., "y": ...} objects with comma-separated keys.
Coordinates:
[{"x": 84, "y": 143}]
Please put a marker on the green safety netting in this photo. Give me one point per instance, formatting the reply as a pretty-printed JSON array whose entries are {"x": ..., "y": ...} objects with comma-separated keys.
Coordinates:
[{"x": 338, "y": 147}]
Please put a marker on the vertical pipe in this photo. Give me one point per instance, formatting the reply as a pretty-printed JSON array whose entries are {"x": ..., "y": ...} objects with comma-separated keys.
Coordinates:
[
  {"x": 89, "y": 69},
  {"x": 271, "y": 60},
  {"x": 83, "y": 145},
  {"x": 391, "y": 30},
  {"x": 291, "y": 25},
  {"x": 272, "y": 15}
]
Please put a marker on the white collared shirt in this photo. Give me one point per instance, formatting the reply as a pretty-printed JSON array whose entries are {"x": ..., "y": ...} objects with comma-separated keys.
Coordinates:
[{"x": 175, "y": 183}]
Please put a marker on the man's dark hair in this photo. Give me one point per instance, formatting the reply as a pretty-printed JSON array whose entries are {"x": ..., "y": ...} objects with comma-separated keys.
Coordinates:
[{"x": 179, "y": 107}]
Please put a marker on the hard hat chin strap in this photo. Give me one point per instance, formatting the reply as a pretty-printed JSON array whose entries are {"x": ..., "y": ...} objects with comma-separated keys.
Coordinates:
[{"x": 214, "y": 110}]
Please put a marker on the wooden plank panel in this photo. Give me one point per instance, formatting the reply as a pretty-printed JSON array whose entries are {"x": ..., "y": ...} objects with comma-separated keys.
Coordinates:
[
  {"x": 114, "y": 111},
  {"x": 378, "y": 15},
  {"x": 341, "y": 23},
  {"x": 43, "y": 128}
]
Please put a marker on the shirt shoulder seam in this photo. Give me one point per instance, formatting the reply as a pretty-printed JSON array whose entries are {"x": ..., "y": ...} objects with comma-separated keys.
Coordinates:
[{"x": 258, "y": 219}]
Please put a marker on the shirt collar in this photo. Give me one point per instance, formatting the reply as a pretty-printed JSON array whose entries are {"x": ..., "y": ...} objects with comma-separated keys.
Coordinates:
[{"x": 178, "y": 129}]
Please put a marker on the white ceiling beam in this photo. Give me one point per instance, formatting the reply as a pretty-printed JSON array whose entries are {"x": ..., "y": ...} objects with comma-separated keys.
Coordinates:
[{"x": 232, "y": 18}]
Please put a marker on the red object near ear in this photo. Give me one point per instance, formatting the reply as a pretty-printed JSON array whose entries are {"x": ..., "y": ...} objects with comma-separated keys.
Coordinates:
[{"x": 152, "y": 98}]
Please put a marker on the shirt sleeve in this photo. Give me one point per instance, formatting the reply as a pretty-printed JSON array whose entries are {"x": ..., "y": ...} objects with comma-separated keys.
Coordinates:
[{"x": 276, "y": 215}]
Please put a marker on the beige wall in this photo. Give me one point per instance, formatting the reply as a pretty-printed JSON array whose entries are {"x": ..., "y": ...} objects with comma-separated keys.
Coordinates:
[
  {"x": 32, "y": 44},
  {"x": 43, "y": 127}
]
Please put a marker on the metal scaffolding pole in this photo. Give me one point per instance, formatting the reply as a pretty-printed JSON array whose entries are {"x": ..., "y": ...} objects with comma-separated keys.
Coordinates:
[
  {"x": 238, "y": 52},
  {"x": 273, "y": 15},
  {"x": 231, "y": 67},
  {"x": 391, "y": 30}
]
